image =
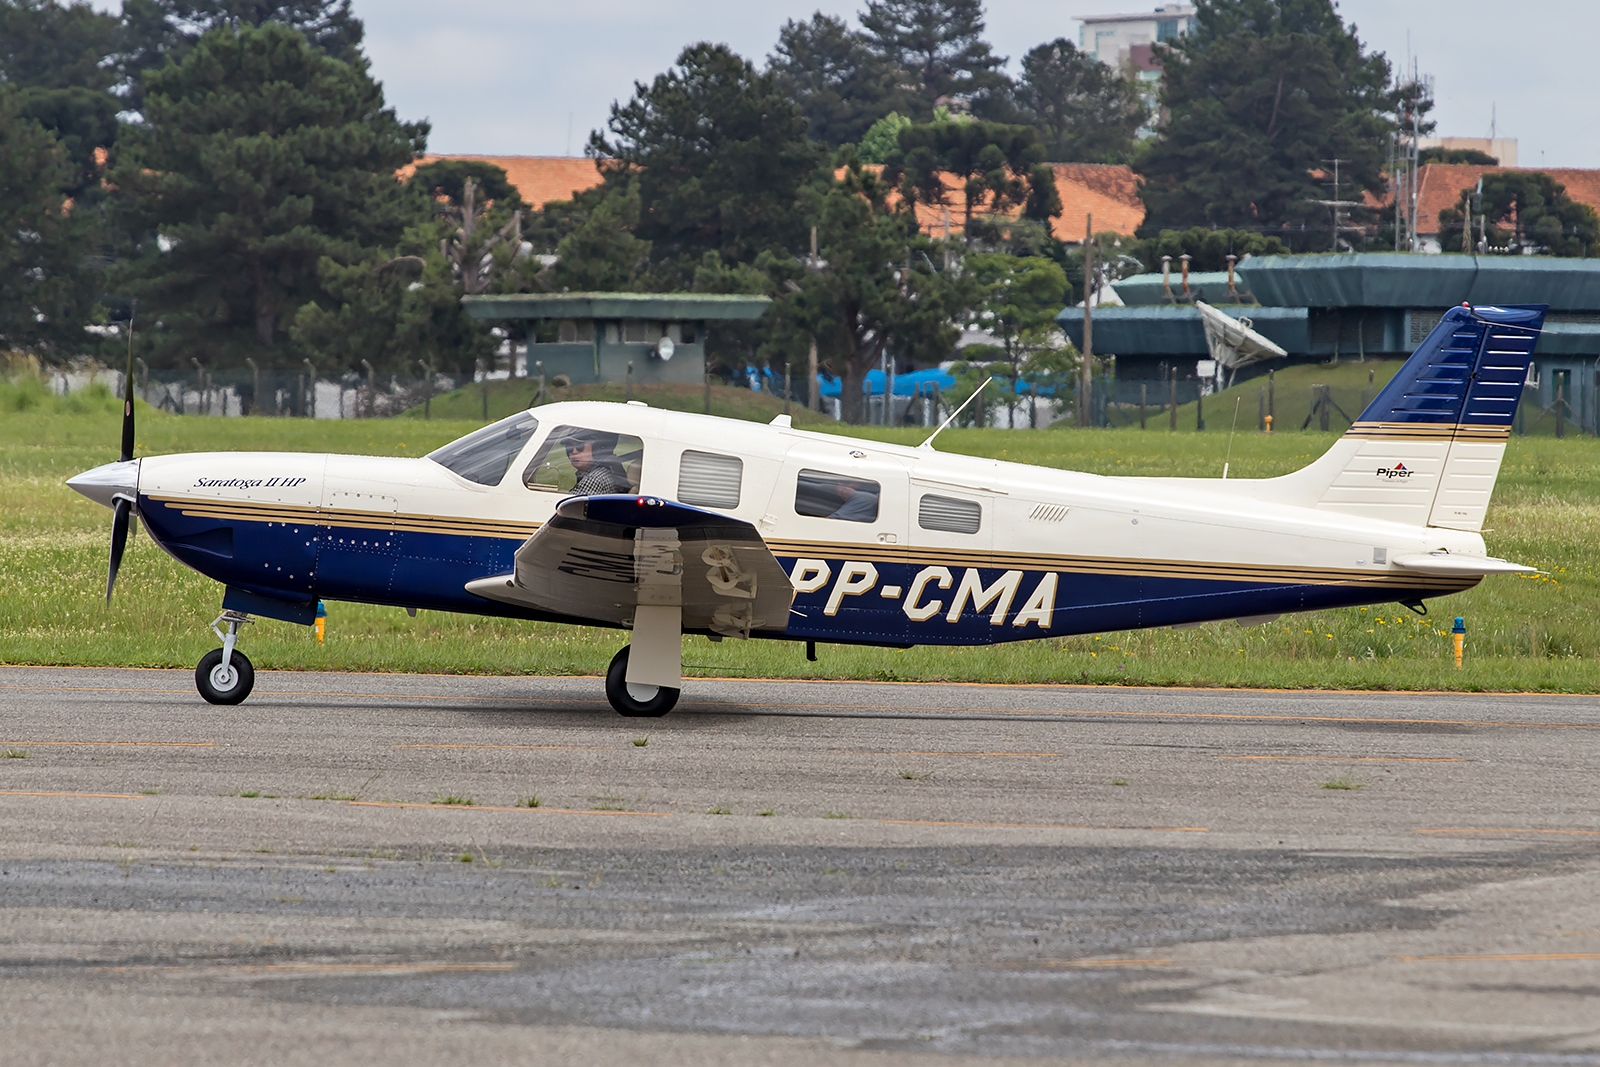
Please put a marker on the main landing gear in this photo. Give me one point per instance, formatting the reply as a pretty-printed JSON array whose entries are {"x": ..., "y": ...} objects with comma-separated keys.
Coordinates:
[
  {"x": 224, "y": 675},
  {"x": 632, "y": 699}
]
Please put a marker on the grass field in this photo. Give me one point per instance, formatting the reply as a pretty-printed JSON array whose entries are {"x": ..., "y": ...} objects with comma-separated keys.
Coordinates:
[{"x": 1533, "y": 633}]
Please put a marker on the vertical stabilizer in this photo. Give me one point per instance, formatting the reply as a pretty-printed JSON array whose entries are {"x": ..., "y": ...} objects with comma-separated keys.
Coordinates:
[{"x": 1427, "y": 450}]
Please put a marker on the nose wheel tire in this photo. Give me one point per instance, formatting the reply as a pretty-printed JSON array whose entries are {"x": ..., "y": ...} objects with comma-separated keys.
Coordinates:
[
  {"x": 635, "y": 701},
  {"x": 230, "y": 684}
]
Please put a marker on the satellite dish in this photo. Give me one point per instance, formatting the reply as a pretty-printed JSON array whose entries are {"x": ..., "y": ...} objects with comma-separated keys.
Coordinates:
[
  {"x": 665, "y": 348},
  {"x": 1232, "y": 341}
]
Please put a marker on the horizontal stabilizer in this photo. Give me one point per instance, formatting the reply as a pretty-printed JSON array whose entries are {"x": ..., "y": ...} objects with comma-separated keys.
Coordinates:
[
  {"x": 600, "y": 558},
  {"x": 1445, "y": 563}
]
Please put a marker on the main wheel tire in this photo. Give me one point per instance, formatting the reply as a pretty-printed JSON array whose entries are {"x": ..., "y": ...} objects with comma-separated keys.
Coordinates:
[
  {"x": 224, "y": 685},
  {"x": 636, "y": 701}
]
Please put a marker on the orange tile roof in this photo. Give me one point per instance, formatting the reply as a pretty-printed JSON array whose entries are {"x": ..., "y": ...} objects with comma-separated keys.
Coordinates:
[
  {"x": 1440, "y": 186},
  {"x": 1110, "y": 192},
  {"x": 540, "y": 179}
]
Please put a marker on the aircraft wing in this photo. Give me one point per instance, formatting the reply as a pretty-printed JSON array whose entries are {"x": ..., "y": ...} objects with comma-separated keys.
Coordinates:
[
  {"x": 600, "y": 557},
  {"x": 1445, "y": 563}
]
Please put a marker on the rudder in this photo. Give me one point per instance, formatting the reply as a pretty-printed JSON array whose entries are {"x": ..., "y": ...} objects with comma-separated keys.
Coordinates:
[{"x": 1427, "y": 450}]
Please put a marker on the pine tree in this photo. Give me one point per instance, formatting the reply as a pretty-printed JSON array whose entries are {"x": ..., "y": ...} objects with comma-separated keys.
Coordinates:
[
  {"x": 720, "y": 154},
  {"x": 938, "y": 47},
  {"x": 840, "y": 84},
  {"x": 1260, "y": 99},
  {"x": 259, "y": 157},
  {"x": 46, "y": 286},
  {"x": 1085, "y": 111},
  {"x": 155, "y": 31}
]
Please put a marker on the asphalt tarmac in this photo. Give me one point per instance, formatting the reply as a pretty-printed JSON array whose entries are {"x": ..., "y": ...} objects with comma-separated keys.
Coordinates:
[{"x": 783, "y": 872}]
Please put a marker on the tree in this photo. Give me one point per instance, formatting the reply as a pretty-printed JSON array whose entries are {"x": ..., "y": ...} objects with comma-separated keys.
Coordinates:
[
  {"x": 998, "y": 167},
  {"x": 1260, "y": 99},
  {"x": 874, "y": 290},
  {"x": 1470, "y": 156},
  {"x": 475, "y": 245},
  {"x": 46, "y": 288},
  {"x": 394, "y": 308},
  {"x": 883, "y": 139},
  {"x": 1207, "y": 249},
  {"x": 55, "y": 56},
  {"x": 720, "y": 154},
  {"x": 156, "y": 31},
  {"x": 938, "y": 48},
  {"x": 1084, "y": 110},
  {"x": 1021, "y": 297},
  {"x": 259, "y": 157},
  {"x": 445, "y": 180},
  {"x": 602, "y": 254},
  {"x": 841, "y": 86},
  {"x": 1525, "y": 211}
]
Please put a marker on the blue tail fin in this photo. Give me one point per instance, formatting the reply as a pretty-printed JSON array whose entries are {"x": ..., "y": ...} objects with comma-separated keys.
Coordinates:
[
  {"x": 1427, "y": 451},
  {"x": 1465, "y": 379}
]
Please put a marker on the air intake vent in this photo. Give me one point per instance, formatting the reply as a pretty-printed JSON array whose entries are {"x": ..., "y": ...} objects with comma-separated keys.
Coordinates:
[
  {"x": 708, "y": 480},
  {"x": 1048, "y": 512},
  {"x": 949, "y": 514}
]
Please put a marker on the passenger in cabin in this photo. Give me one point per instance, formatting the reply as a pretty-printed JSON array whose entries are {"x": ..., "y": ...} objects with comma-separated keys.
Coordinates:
[
  {"x": 857, "y": 502},
  {"x": 593, "y": 457}
]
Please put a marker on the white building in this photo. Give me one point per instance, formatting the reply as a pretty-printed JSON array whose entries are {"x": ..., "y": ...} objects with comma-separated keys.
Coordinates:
[{"x": 1112, "y": 38}]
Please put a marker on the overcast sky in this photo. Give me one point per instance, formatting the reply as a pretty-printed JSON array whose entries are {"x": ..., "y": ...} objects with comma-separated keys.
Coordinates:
[{"x": 533, "y": 77}]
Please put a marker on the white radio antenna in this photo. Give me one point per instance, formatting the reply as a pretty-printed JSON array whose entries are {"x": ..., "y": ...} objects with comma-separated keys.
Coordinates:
[
  {"x": 1236, "y": 402},
  {"x": 928, "y": 444}
]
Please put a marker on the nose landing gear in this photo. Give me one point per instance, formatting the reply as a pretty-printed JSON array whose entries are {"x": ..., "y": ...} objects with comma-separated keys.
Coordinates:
[{"x": 225, "y": 675}]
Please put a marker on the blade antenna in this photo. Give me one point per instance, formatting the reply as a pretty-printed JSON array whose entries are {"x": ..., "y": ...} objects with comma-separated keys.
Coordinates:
[
  {"x": 928, "y": 444},
  {"x": 1229, "y": 456}
]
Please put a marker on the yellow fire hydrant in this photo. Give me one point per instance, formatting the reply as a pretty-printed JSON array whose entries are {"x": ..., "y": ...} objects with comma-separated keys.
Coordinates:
[{"x": 1459, "y": 633}]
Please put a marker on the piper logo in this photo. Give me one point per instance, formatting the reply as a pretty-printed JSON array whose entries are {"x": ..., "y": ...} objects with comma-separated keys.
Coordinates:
[{"x": 1399, "y": 470}]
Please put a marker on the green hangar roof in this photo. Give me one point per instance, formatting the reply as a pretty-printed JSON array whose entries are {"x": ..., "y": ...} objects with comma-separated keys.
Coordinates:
[
  {"x": 1402, "y": 280},
  {"x": 672, "y": 307}
]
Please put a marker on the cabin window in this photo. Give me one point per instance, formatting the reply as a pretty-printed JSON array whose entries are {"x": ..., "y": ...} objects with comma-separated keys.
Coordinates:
[
  {"x": 581, "y": 462},
  {"x": 708, "y": 480},
  {"x": 483, "y": 456},
  {"x": 949, "y": 514},
  {"x": 834, "y": 496}
]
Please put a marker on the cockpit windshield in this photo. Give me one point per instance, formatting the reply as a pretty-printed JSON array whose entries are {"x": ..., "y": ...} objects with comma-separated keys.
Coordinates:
[{"x": 484, "y": 456}]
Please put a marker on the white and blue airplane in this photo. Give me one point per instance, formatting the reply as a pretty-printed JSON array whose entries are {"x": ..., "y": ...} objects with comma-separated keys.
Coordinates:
[{"x": 666, "y": 523}]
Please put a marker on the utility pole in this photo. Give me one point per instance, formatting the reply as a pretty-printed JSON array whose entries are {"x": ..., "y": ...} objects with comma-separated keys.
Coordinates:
[
  {"x": 1086, "y": 373},
  {"x": 813, "y": 390}
]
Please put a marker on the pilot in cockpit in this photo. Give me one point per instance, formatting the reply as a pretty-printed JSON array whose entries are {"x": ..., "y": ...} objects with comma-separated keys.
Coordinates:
[{"x": 593, "y": 458}]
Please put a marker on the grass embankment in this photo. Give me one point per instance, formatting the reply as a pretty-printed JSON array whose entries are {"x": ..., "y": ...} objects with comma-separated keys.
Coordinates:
[
  {"x": 1524, "y": 633},
  {"x": 509, "y": 396}
]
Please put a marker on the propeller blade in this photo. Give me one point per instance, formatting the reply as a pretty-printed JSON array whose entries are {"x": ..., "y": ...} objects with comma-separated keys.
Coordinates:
[
  {"x": 119, "y": 541},
  {"x": 127, "y": 413}
]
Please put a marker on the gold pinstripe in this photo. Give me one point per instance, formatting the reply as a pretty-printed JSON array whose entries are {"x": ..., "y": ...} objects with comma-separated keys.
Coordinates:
[
  {"x": 867, "y": 553},
  {"x": 1428, "y": 431}
]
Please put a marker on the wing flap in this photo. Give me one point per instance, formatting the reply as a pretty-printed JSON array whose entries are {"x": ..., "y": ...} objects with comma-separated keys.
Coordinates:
[{"x": 599, "y": 558}]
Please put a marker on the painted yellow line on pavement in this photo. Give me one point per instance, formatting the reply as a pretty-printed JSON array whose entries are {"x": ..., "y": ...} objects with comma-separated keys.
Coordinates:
[
  {"x": 302, "y": 968},
  {"x": 1040, "y": 826},
  {"x": 1502, "y": 830},
  {"x": 1101, "y": 963},
  {"x": 49, "y": 793},
  {"x": 490, "y": 807},
  {"x": 117, "y": 744},
  {"x": 1356, "y": 759},
  {"x": 1504, "y": 957},
  {"x": 546, "y": 748}
]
